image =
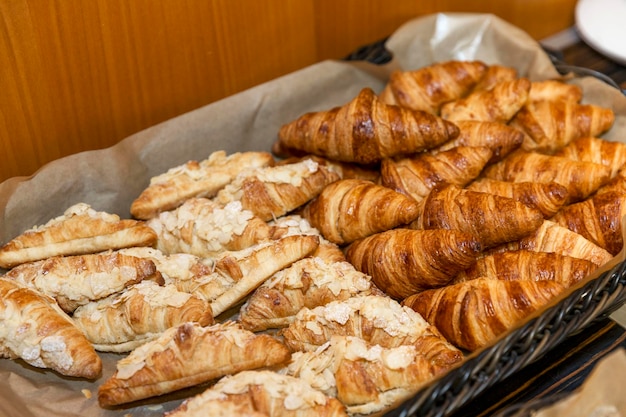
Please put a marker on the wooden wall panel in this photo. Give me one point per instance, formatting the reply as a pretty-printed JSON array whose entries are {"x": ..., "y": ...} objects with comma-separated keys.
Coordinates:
[{"x": 83, "y": 75}]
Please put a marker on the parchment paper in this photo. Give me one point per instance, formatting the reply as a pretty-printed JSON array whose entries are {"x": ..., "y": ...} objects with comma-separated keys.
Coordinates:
[{"x": 110, "y": 179}]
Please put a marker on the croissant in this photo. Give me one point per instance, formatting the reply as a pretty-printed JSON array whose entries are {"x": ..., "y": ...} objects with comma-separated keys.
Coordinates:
[
  {"x": 499, "y": 137},
  {"x": 528, "y": 265},
  {"x": 188, "y": 355},
  {"x": 472, "y": 314},
  {"x": 494, "y": 75},
  {"x": 194, "y": 179},
  {"x": 581, "y": 178},
  {"x": 365, "y": 131},
  {"x": 550, "y": 125},
  {"x": 415, "y": 176},
  {"x": 80, "y": 230},
  {"x": 548, "y": 197},
  {"x": 364, "y": 377},
  {"x": 554, "y": 90},
  {"x": 348, "y": 210},
  {"x": 345, "y": 170},
  {"x": 36, "y": 330},
  {"x": 429, "y": 87},
  {"x": 260, "y": 393},
  {"x": 204, "y": 228},
  {"x": 123, "y": 321},
  {"x": 552, "y": 237},
  {"x": 309, "y": 282},
  {"x": 402, "y": 262},
  {"x": 274, "y": 191},
  {"x": 599, "y": 219},
  {"x": 79, "y": 279},
  {"x": 492, "y": 219},
  {"x": 499, "y": 104},
  {"x": 379, "y": 320},
  {"x": 596, "y": 150}
]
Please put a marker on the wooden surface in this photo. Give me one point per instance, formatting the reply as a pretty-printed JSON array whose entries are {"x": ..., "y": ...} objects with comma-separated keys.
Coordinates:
[{"x": 81, "y": 75}]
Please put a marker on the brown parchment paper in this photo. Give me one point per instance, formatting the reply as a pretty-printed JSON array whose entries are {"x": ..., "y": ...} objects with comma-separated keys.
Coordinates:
[{"x": 110, "y": 179}]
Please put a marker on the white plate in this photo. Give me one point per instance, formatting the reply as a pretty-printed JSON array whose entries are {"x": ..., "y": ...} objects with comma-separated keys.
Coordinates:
[{"x": 602, "y": 25}]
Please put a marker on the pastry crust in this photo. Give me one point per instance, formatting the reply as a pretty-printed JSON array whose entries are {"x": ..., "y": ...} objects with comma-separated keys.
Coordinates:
[
  {"x": 194, "y": 179},
  {"x": 35, "y": 329},
  {"x": 188, "y": 355},
  {"x": 76, "y": 280},
  {"x": 80, "y": 230},
  {"x": 123, "y": 321}
]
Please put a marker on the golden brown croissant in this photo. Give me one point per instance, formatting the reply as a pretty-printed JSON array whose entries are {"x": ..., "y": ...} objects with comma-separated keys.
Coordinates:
[
  {"x": 550, "y": 125},
  {"x": 205, "y": 228},
  {"x": 194, "y": 179},
  {"x": 492, "y": 219},
  {"x": 428, "y": 88},
  {"x": 264, "y": 392},
  {"x": 548, "y": 197},
  {"x": 345, "y": 170},
  {"x": 494, "y": 75},
  {"x": 309, "y": 282},
  {"x": 598, "y": 218},
  {"x": 379, "y": 320},
  {"x": 348, "y": 210},
  {"x": 581, "y": 178},
  {"x": 499, "y": 104},
  {"x": 552, "y": 237},
  {"x": 596, "y": 150},
  {"x": 366, "y": 378},
  {"x": 554, "y": 90},
  {"x": 36, "y": 330},
  {"x": 79, "y": 279},
  {"x": 499, "y": 137},
  {"x": 365, "y": 131},
  {"x": 80, "y": 230},
  {"x": 188, "y": 355},
  {"x": 529, "y": 265},
  {"x": 274, "y": 191},
  {"x": 123, "y": 321},
  {"x": 416, "y": 175},
  {"x": 472, "y": 314},
  {"x": 402, "y": 262}
]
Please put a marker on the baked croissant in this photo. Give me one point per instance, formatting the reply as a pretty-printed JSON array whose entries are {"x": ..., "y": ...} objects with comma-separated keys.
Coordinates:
[
  {"x": 36, "y": 330},
  {"x": 596, "y": 150},
  {"x": 274, "y": 191},
  {"x": 123, "y": 321},
  {"x": 402, "y": 262},
  {"x": 379, "y": 320},
  {"x": 188, "y": 355},
  {"x": 550, "y": 125},
  {"x": 598, "y": 218},
  {"x": 194, "y": 179},
  {"x": 472, "y": 314},
  {"x": 348, "y": 210},
  {"x": 499, "y": 104},
  {"x": 415, "y": 176},
  {"x": 528, "y": 265},
  {"x": 581, "y": 178},
  {"x": 309, "y": 282},
  {"x": 547, "y": 197},
  {"x": 264, "y": 392},
  {"x": 552, "y": 237},
  {"x": 492, "y": 219},
  {"x": 494, "y": 75},
  {"x": 366, "y": 378},
  {"x": 80, "y": 230},
  {"x": 365, "y": 131},
  {"x": 554, "y": 90},
  {"x": 205, "y": 228},
  {"x": 499, "y": 137},
  {"x": 429, "y": 87},
  {"x": 76, "y": 280}
]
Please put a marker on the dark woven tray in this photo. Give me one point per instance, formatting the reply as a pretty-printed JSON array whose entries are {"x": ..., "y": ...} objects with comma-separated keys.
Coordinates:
[{"x": 595, "y": 300}]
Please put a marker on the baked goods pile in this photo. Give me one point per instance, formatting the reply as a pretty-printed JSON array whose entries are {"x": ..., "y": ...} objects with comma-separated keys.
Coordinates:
[{"x": 382, "y": 241}]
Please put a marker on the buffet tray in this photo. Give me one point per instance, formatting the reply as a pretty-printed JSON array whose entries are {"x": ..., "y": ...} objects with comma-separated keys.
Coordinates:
[{"x": 109, "y": 180}]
